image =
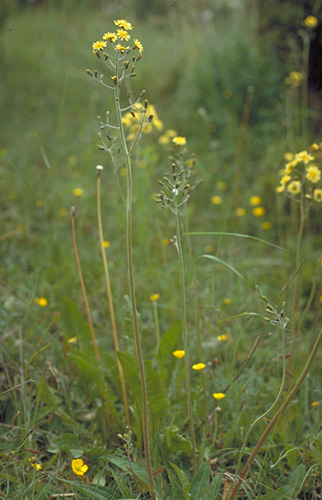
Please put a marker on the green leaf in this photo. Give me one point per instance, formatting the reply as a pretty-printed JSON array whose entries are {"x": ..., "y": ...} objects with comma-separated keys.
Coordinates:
[
  {"x": 95, "y": 491},
  {"x": 173, "y": 442},
  {"x": 132, "y": 377},
  {"x": 185, "y": 483},
  {"x": 296, "y": 479},
  {"x": 139, "y": 471},
  {"x": 125, "y": 491},
  {"x": 214, "y": 488},
  {"x": 279, "y": 494},
  {"x": 158, "y": 399},
  {"x": 177, "y": 490},
  {"x": 247, "y": 236},
  {"x": 74, "y": 325},
  {"x": 200, "y": 483},
  {"x": 67, "y": 442},
  {"x": 170, "y": 341},
  {"x": 225, "y": 264},
  {"x": 48, "y": 396}
]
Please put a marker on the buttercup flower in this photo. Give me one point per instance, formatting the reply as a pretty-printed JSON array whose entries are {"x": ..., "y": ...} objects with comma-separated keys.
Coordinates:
[
  {"x": 294, "y": 78},
  {"x": 310, "y": 22},
  {"x": 199, "y": 366},
  {"x": 78, "y": 466},
  {"x": 240, "y": 212},
  {"x": 106, "y": 244},
  {"x": 123, "y": 24},
  {"x": 259, "y": 211},
  {"x": 266, "y": 225},
  {"x": 42, "y": 302},
  {"x": 179, "y": 141},
  {"x": 219, "y": 395},
  {"x": 179, "y": 354},
  {"x": 313, "y": 174}
]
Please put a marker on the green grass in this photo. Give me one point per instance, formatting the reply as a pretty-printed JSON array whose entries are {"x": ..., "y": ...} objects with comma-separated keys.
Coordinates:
[{"x": 48, "y": 148}]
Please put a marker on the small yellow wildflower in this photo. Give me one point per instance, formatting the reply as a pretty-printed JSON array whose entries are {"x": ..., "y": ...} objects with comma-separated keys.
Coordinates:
[
  {"x": 240, "y": 212},
  {"x": 294, "y": 187},
  {"x": 179, "y": 354},
  {"x": 222, "y": 338},
  {"x": 219, "y": 395},
  {"x": 123, "y": 24},
  {"x": 255, "y": 200},
  {"x": 294, "y": 78},
  {"x": 315, "y": 147},
  {"x": 216, "y": 200},
  {"x": 266, "y": 225},
  {"x": 179, "y": 141},
  {"x": 123, "y": 35},
  {"x": 317, "y": 195},
  {"x": 315, "y": 404},
  {"x": 98, "y": 45},
  {"x": 154, "y": 297},
  {"x": 313, "y": 173},
  {"x": 304, "y": 156},
  {"x": 106, "y": 244},
  {"x": 228, "y": 301},
  {"x": 288, "y": 156},
  {"x": 32, "y": 461},
  {"x": 310, "y": 22},
  {"x": 111, "y": 37},
  {"x": 259, "y": 211},
  {"x": 121, "y": 48},
  {"x": 78, "y": 466},
  {"x": 166, "y": 242},
  {"x": 281, "y": 188},
  {"x": 78, "y": 192},
  {"x": 138, "y": 45},
  {"x": 72, "y": 340},
  {"x": 42, "y": 302},
  {"x": 199, "y": 366}
]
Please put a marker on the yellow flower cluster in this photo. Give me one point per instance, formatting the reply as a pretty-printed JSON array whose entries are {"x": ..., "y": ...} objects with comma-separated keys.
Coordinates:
[
  {"x": 133, "y": 124},
  {"x": 121, "y": 34},
  {"x": 294, "y": 78},
  {"x": 300, "y": 175}
]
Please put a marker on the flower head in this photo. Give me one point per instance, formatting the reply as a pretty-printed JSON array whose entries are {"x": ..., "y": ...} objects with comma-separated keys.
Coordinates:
[
  {"x": 123, "y": 24},
  {"x": 78, "y": 192},
  {"x": 240, "y": 212},
  {"x": 121, "y": 48},
  {"x": 219, "y": 395},
  {"x": 313, "y": 174},
  {"x": 32, "y": 461},
  {"x": 317, "y": 195},
  {"x": 98, "y": 45},
  {"x": 154, "y": 297},
  {"x": 111, "y": 37},
  {"x": 310, "y": 22},
  {"x": 294, "y": 78},
  {"x": 106, "y": 244},
  {"x": 199, "y": 366},
  {"x": 222, "y": 338},
  {"x": 179, "y": 354},
  {"x": 78, "y": 466},
  {"x": 294, "y": 187},
  {"x": 123, "y": 35},
  {"x": 138, "y": 45},
  {"x": 315, "y": 404},
  {"x": 216, "y": 200},
  {"x": 179, "y": 141},
  {"x": 42, "y": 302},
  {"x": 255, "y": 200},
  {"x": 259, "y": 211}
]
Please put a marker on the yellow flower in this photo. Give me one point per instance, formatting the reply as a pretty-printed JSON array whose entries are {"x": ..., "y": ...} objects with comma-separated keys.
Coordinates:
[
  {"x": 123, "y": 35},
  {"x": 281, "y": 188},
  {"x": 138, "y": 45},
  {"x": 255, "y": 200},
  {"x": 221, "y": 185},
  {"x": 42, "y": 302},
  {"x": 259, "y": 211},
  {"x": 219, "y": 395},
  {"x": 154, "y": 297},
  {"x": 78, "y": 466},
  {"x": 266, "y": 225},
  {"x": 222, "y": 338},
  {"x": 106, "y": 244},
  {"x": 315, "y": 146},
  {"x": 179, "y": 141},
  {"x": 111, "y": 37},
  {"x": 32, "y": 461},
  {"x": 240, "y": 212},
  {"x": 166, "y": 242},
  {"x": 288, "y": 156},
  {"x": 294, "y": 187},
  {"x": 199, "y": 366},
  {"x": 78, "y": 192},
  {"x": 228, "y": 301},
  {"x": 313, "y": 173},
  {"x": 98, "y": 45},
  {"x": 216, "y": 200},
  {"x": 317, "y": 195},
  {"x": 179, "y": 354},
  {"x": 123, "y": 24},
  {"x": 315, "y": 404},
  {"x": 303, "y": 156},
  {"x": 310, "y": 22},
  {"x": 121, "y": 48},
  {"x": 72, "y": 340},
  {"x": 294, "y": 78}
]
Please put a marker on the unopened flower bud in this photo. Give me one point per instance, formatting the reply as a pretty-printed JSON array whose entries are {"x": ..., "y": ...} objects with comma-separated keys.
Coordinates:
[
  {"x": 100, "y": 147},
  {"x": 88, "y": 71},
  {"x": 95, "y": 73},
  {"x": 146, "y": 103}
]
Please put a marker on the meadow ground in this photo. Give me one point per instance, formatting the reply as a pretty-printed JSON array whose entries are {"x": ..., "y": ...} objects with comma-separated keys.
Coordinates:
[{"x": 218, "y": 326}]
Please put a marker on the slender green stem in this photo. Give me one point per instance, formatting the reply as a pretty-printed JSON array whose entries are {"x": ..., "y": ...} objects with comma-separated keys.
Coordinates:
[
  {"x": 185, "y": 341},
  {"x": 295, "y": 290},
  {"x": 138, "y": 348},
  {"x": 156, "y": 322},
  {"x": 110, "y": 298},
  {"x": 276, "y": 417}
]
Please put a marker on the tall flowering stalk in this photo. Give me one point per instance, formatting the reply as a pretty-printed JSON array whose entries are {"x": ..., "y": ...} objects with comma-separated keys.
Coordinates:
[
  {"x": 177, "y": 193},
  {"x": 121, "y": 65}
]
